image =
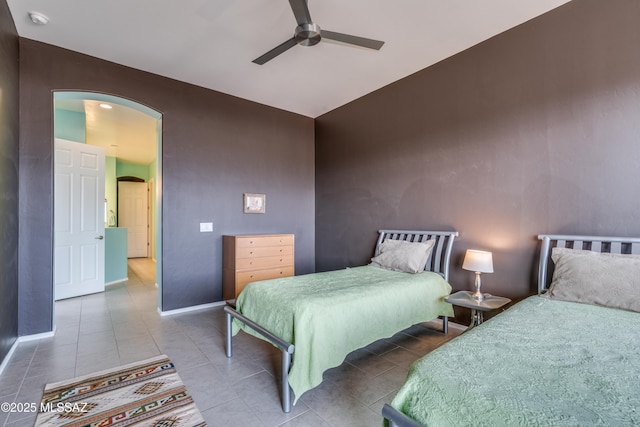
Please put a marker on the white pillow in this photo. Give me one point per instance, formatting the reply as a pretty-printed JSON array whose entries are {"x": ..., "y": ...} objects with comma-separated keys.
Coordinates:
[
  {"x": 400, "y": 255},
  {"x": 610, "y": 280}
]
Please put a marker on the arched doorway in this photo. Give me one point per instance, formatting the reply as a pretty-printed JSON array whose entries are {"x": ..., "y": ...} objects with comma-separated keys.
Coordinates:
[{"x": 130, "y": 134}]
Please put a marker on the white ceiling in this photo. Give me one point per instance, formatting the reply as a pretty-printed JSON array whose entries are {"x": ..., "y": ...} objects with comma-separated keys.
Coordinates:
[
  {"x": 124, "y": 132},
  {"x": 211, "y": 43}
]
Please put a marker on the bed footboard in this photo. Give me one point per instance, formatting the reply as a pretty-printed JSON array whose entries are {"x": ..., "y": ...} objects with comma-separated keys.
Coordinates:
[
  {"x": 397, "y": 418},
  {"x": 286, "y": 348}
]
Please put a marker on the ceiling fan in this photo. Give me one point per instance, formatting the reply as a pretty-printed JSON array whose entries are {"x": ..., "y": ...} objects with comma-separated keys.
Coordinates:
[{"x": 308, "y": 34}]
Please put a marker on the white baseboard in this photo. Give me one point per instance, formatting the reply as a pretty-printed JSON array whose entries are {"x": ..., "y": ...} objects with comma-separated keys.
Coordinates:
[
  {"x": 27, "y": 338},
  {"x": 192, "y": 308},
  {"x": 5, "y": 362},
  {"x": 22, "y": 339},
  {"x": 115, "y": 282}
]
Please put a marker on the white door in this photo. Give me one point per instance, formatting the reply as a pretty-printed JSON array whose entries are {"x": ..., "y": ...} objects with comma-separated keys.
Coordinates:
[
  {"x": 132, "y": 214},
  {"x": 78, "y": 267}
]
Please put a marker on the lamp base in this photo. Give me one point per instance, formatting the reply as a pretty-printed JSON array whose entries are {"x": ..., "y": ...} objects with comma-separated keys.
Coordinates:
[{"x": 477, "y": 295}]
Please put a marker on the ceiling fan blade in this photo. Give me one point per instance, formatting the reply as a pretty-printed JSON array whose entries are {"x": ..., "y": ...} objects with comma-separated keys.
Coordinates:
[
  {"x": 358, "y": 41},
  {"x": 301, "y": 11},
  {"x": 275, "y": 51}
]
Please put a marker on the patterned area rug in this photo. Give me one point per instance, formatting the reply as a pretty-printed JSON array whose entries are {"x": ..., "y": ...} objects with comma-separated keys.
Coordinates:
[{"x": 146, "y": 393}]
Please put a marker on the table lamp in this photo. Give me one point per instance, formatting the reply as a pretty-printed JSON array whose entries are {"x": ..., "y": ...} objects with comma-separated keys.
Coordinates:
[{"x": 478, "y": 262}]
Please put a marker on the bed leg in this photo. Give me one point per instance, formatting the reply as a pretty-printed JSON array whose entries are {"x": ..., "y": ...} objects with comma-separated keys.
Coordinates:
[
  {"x": 228, "y": 348},
  {"x": 286, "y": 389},
  {"x": 445, "y": 325},
  {"x": 286, "y": 348},
  {"x": 396, "y": 418}
]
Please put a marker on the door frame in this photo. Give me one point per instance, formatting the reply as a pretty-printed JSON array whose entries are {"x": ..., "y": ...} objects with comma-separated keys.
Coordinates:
[
  {"x": 151, "y": 220},
  {"x": 97, "y": 96}
]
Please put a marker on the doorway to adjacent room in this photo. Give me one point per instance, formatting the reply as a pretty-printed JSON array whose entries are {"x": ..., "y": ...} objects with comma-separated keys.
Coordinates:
[{"x": 130, "y": 136}]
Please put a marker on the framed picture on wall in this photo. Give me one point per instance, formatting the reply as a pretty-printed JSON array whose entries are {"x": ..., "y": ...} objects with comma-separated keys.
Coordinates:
[{"x": 254, "y": 203}]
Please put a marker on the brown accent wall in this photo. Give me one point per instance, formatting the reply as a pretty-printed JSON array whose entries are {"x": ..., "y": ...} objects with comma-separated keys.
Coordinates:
[
  {"x": 215, "y": 147},
  {"x": 9, "y": 145},
  {"x": 536, "y": 130}
]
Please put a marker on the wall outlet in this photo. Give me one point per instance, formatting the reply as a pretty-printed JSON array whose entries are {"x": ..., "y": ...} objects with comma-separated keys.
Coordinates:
[{"x": 206, "y": 227}]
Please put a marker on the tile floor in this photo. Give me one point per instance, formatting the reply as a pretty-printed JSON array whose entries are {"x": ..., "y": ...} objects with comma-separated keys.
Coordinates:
[{"x": 122, "y": 325}]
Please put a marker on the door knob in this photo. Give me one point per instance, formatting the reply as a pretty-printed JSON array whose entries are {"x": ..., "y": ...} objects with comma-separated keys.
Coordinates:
[{"x": 100, "y": 237}]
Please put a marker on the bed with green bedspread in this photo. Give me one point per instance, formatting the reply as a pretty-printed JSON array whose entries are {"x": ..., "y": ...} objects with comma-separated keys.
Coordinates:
[
  {"x": 541, "y": 363},
  {"x": 328, "y": 315}
]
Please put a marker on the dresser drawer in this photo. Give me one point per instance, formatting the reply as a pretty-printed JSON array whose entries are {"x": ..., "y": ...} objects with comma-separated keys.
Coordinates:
[
  {"x": 249, "y": 258},
  {"x": 259, "y": 241},
  {"x": 264, "y": 262},
  {"x": 245, "y": 277},
  {"x": 263, "y": 251}
]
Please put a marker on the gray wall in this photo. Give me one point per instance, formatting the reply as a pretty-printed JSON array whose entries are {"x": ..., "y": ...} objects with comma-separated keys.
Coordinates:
[
  {"x": 534, "y": 131},
  {"x": 9, "y": 108},
  {"x": 214, "y": 148}
]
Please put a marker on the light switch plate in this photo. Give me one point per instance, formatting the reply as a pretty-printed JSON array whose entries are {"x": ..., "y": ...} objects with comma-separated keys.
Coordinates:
[{"x": 206, "y": 227}]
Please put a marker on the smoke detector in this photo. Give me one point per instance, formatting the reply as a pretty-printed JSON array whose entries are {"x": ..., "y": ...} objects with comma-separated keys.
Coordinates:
[{"x": 38, "y": 18}]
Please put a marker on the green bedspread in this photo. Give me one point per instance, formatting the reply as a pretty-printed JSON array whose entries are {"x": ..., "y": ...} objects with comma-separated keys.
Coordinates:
[
  {"x": 328, "y": 315},
  {"x": 541, "y": 363}
]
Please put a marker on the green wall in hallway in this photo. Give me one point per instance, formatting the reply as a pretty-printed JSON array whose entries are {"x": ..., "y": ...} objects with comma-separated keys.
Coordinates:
[{"x": 69, "y": 125}]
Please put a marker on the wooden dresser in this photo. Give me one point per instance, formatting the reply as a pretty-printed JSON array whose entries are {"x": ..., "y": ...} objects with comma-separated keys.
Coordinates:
[{"x": 249, "y": 258}]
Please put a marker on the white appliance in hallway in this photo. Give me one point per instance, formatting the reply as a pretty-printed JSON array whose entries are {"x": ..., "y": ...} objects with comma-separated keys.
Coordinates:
[
  {"x": 78, "y": 219},
  {"x": 133, "y": 213}
]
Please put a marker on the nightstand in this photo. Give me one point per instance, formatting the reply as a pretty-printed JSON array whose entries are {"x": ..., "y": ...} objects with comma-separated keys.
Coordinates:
[{"x": 465, "y": 299}]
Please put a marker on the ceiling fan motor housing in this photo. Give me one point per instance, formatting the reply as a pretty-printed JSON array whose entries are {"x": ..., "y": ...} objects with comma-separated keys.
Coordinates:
[{"x": 308, "y": 34}]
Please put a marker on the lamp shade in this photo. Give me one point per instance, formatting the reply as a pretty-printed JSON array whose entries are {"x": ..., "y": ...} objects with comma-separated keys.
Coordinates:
[{"x": 478, "y": 261}]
